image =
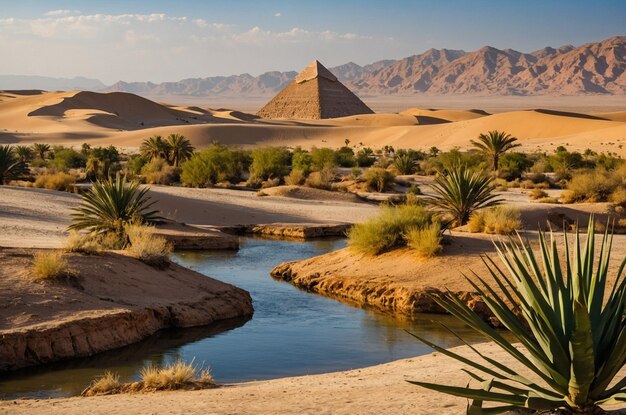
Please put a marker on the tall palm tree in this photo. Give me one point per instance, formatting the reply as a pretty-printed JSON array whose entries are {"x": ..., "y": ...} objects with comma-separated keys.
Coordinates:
[
  {"x": 155, "y": 147},
  {"x": 111, "y": 204},
  {"x": 24, "y": 153},
  {"x": 494, "y": 144},
  {"x": 180, "y": 149},
  {"x": 460, "y": 191},
  {"x": 41, "y": 150},
  {"x": 11, "y": 168}
]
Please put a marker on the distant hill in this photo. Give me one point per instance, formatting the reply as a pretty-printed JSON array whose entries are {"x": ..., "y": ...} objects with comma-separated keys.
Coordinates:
[{"x": 49, "y": 84}]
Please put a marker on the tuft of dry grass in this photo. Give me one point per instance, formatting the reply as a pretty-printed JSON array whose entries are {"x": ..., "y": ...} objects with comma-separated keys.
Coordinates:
[
  {"x": 591, "y": 186},
  {"x": 58, "y": 181},
  {"x": 501, "y": 220},
  {"x": 295, "y": 178},
  {"x": 426, "y": 242},
  {"x": 320, "y": 179},
  {"x": 49, "y": 265},
  {"x": 174, "y": 376},
  {"x": 80, "y": 242},
  {"x": 106, "y": 384},
  {"x": 537, "y": 193},
  {"x": 548, "y": 200},
  {"x": 147, "y": 246}
]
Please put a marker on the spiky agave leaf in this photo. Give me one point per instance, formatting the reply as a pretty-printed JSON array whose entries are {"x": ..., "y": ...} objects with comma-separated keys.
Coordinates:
[
  {"x": 112, "y": 204},
  {"x": 575, "y": 343},
  {"x": 460, "y": 191}
]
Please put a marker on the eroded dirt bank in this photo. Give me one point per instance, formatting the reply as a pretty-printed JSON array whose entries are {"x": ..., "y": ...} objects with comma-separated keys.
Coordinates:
[{"x": 112, "y": 300}]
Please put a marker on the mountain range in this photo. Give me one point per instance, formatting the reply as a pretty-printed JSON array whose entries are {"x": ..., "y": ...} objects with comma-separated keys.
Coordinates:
[{"x": 593, "y": 68}]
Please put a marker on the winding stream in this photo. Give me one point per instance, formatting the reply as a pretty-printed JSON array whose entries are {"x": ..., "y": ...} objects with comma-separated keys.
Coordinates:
[{"x": 292, "y": 332}]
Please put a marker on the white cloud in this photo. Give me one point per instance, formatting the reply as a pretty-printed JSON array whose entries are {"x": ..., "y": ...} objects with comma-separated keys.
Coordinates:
[
  {"x": 277, "y": 14},
  {"x": 61, "y": 12}
]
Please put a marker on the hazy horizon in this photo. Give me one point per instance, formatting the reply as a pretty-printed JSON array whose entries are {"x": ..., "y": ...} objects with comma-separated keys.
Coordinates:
[{"x": 163, "y": 41}]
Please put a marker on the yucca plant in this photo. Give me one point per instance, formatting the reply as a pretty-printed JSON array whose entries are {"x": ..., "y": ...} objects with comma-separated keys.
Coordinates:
[
  {"x": 494, "y": 144},
  {"x": 155, "y": 147},
  {"x": 567, "y": 317},
  {"x": 112, "y": 204},
  {"x": 460, "y": 191},
  {"x": 11, "y": 168},
  {"x": 180, "y": 149},
  {"x": 404, "y": 163}
]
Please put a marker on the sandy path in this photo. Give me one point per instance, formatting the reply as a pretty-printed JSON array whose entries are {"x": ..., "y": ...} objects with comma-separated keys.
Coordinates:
[
  {"x": 374, "y": 390},
  {"x": 38, "y": 218}
]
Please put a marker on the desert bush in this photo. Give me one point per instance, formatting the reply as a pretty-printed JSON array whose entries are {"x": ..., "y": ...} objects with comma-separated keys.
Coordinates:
[
  {"x": 548, "y": 200},
  {"x": 450, "y": 159},
  {"x": 618, "y": 196},
  {"x": 513, "y": 165},
  {"x": 590, "y": 186},
  {"x": 112, "y": 204},
  {"x": 266, "y": 184},
  {"x": 58, "y": 181},
  {"x": 295, "y": 178},
  {"x": 323, "y": 158},
  {"x": 501, "y": 220},
  {"x": 426, "y": 241},
  {"x": 11, "y": 167},
  {"x": 378, "y": 179},
  {"x": 461, "y": 191},
  {"x": 65, "y": 158},
  {"x": 216, "y": 164},
  {"x": 85, "y": 243},
  {"x": 269, "y": 162},
  {"x": 135, "y": 163},
  {"x": 388, "y": 229},
  {"x": 107, "y": 383},
  {"x": 570, "y": 325},
  {"x": 49, "y": 265},
  {"x": 365, "y": 157},
  {"x": 345, "y": 157},
  {"x": 404, "y": 163},
  {"x": 537, "y": 194},
  {"x": 173, "y": 376},
  {"x": 320, "y": 179},
  {"x": 158, "y": 171},
  {"x": 301, "y": 160},
  {"x": 146, "y": 246}
]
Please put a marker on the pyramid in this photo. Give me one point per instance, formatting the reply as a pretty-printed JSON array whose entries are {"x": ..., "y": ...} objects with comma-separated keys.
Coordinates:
[{"x": 315, "y": 93}]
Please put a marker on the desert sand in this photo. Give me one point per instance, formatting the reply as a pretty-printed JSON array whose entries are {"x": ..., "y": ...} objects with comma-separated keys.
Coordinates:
[{"x": 125, "y": 120}]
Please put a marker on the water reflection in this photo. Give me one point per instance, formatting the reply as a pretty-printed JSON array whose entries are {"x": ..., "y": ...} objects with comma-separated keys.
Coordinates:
[{"x": 292, "y": 332}]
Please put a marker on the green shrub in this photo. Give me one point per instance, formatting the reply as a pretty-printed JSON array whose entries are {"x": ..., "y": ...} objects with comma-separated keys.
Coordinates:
[
  {"x": 216, "y": 164},
  {"x": 270, "y": 162},
  {"x": 320, "y": 179},
  {"x": 414, "y": 189},
  {"x": 513, "y": 165},
  {"x": 59, "y": 181},
  {"x": 345, "y": 157},
  {"x": 388, "y": 229},
  {"x": 295, "y": 178},
  {"x": 135, "y": 163},
  {"x": 323, "y": 158},
  {"x": 501, "y": 220},
  {"x": 365, "y": 157},
  {"x": 11, "y": 167},
  {"x": 404, "y": 163},
  {"x": 426, "y": 242},
  {"x": 65, "y": 158},
  {"x": 378, "y": 179},
  {"x": 301, "y": 161},
  {"x": 158, "y": 171}
]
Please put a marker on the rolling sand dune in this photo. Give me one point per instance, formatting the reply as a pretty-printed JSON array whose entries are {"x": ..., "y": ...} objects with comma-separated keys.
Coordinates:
[{"x": 125, "y": 120}]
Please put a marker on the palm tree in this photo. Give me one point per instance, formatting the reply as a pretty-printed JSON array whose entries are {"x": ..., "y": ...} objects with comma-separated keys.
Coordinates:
[
  {"x": 494, "y": 144},
  {"x": 111, "y": 204},
  {"x": 180, "y": 149},
  {"x": 460, "y": 191},
  {"x": 155, "y": 147},
  {"x": 563, "y": 311},
  {"x": 11, "y": 168},
  {"x": 24, "y": 153},
  {"x": 41, "y": 150}
]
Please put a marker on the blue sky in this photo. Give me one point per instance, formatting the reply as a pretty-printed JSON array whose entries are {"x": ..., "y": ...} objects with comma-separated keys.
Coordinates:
[{"x": 170, "y": 40}]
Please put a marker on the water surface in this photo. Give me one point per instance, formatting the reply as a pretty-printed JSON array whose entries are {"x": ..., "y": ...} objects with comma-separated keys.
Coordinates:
[{"x": 292, "y": 332}]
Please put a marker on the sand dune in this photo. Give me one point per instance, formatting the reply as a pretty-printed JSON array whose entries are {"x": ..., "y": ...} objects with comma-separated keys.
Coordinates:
[{"x": 125, "y": 120}]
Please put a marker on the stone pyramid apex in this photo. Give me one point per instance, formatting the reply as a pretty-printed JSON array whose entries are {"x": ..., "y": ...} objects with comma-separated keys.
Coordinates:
[{"x": 315, "y": 70}]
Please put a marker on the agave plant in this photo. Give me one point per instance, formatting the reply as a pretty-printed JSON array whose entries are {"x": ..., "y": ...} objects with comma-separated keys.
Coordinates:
[
  {"x": 180, "y": 149},
  {"x": 41, "y": 150},
  {"x": 567, "y": 316},
  {"x": 11, "y": 168},
  {"x": 155, "y": 147},
  {"x": 460, "y": 191},
  {"x": 111, "y": 204},
  {"x": 404, "y": 163},
  {"x": 494, "y": 144}
]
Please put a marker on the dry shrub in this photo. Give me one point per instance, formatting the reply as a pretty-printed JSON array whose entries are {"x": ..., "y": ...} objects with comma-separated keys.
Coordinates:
[
  {"x": 426, "y": 242},
  {"x": 618, "y": 197},
  {"x": 537, "y": 194},
  {"x": 548, "y": 200},
  {"x": 387, "y": 230},
  {"x": 295, "y": 178},
  {"x": 157, "y": 171},
  {"x": 174, "y": 376},
  {"x": 320, "y": 179},
  {"x": 378, "y": 179},
  {"x": 590, "y": 187},
  {"x": 106, "y": 384},
  {"x": 270, "y": 183},
  {"x": 58, "y": 181},
  {"x": 502, "y": 220},
  {"x": 530, "y": 184},
  {"x": 49, "y": 265},
  {"x": 84, "y": 243},
  {"x": 147, "y": 246}
]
